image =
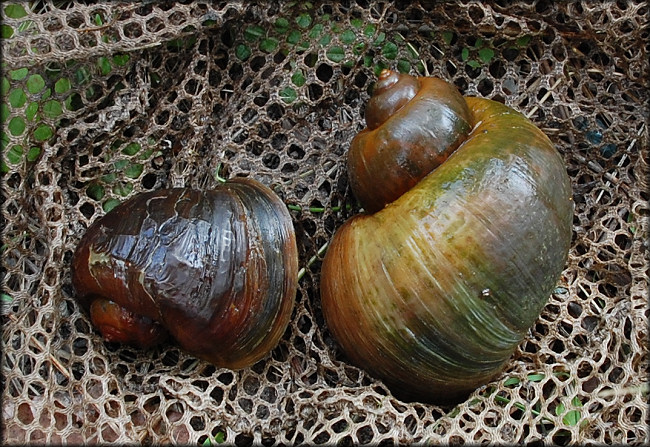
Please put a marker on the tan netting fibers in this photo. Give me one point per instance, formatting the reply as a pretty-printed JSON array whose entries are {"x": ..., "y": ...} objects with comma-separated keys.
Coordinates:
[{"x": 104, "y": 100}]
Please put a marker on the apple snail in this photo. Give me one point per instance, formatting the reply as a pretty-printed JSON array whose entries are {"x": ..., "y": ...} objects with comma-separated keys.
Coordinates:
[
  {"x": 216, "y": 270},
  {"x": 466, "y": 230}
]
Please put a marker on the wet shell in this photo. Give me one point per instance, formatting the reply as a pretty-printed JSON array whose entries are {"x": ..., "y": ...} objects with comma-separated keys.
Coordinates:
[
  {"x": 433, "y": 292},
  {"x": 214, "y": 270}
]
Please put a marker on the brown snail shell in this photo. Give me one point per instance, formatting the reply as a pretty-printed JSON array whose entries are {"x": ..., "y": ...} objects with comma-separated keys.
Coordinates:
[
  {"x": 433, "y": 292},
  {"x": 215, "y": 270}
]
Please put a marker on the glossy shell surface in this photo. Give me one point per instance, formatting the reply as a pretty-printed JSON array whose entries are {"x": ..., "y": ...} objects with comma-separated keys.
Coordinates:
[
  {"x": 215, "y": 269},
  {"x": 433, "y": 293}
]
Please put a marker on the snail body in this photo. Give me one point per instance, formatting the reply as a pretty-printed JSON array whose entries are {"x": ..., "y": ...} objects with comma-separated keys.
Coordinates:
[
  {"x": 433, "y": 292},
  {"x": 214, "y": 270}
]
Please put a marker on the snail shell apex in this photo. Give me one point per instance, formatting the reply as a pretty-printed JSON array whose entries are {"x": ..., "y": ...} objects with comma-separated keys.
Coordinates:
[{"x": 414, "y": 124}]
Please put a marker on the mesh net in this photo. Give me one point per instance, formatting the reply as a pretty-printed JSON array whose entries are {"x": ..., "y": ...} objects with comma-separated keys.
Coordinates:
[{"x": 104, "y": 100}]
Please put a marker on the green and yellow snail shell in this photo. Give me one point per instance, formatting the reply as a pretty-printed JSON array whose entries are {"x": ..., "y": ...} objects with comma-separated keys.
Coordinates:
[{"x": 467, "y": 228}]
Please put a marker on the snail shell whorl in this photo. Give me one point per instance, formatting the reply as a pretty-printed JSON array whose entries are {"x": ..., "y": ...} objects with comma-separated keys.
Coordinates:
[
  {"x": 217, "y": 270},
  {"x": 392, "y": 91},
  {"x": 414, "y": 124},
  {"x": 433, "y": 293}
]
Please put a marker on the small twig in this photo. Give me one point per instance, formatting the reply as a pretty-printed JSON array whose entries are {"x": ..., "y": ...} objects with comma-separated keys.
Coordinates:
[
  {"x": 315, "y": 209},
  {"x": 327, "y": 165},
  {"x": 608, "y": 182},
  {"x": 217, "y": 174},
  {"x": 58, "y": 365},
  {"x": 612, "y": 177},
  {"x": 626, "y": 391},
  {"x": 96, "y": 28},
  {"x": 544, "y": 98},
  {"x": 313, "y": 259}
]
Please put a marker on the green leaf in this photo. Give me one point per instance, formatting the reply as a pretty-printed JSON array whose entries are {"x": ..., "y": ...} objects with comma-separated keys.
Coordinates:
[
  {"x": 325, "y": 40},
  {"x": 294, "y": 37},
  {"x": 282, "y": 25},
  {"x": 486, "y": 54},
  {"x": 6, "y": 31},
  {"x": 123, "y": 189},
  {"x": 131, "y": 149},
  {"x": 389, "y": 51},
  {"x": 511, "y": 381},
  {"x": 109, "y": 178},
  {"x": 31, "y": 110},
  {"x": 52, "y": 109},
  {"x": 33, "y": 153},
  {"x": 242, "y": 52},
  {"x": 288, "y": 95},
  {"x": 523, "y": 41},
  {"x": 43, "y": 132},
  {"x": 357, "y": 23},
  {"x": 478, "y": 43},
  {"x": 535, "y": 377},
  {"x": 16, "y": 126},
  {"x": 110, "y": 204},
  {"x": 253, "y": 32},
  {"x": 379, "y": 67},
  {"x": 474, "y": 63},
  {"x": 403, "y": 66},
  {"x": 73, "y": 102},
  {"x": 303, "y": 20},
  {"x": 316, "y": 31},
  {"x": 15, "y": 154},
  {"x": 15, "y": 11},
  {"x": 18, "y": 75},
  {"x": 155, "y": 79},
  {"x": 220, "y": 437},
  {"x": 269, "y": 44},
  {"x": 120, "y": 165},
  {"x": 62, "y": 85},
  {"x": 348, "y": 37},
  {"x": 5, "y": 86},
  {"x": 134, "y": 170},
  {"x": 95, "y": 191},
  {"x": 571, "y": 418},
  {"x": 298, "y": 78},
  {"x": 35, "y": 83},
  {"x": 447, "y": 37},
  {"x": 17, "y": 98},
  {"x": 370, "y": 30},
  {"x": 464, "y": 54},
  {"x": 335, "y": 54},
  {"x": 146, "y": 154},
  {"x": 559, "y": 409},
  {"x": 359, "y": 48},
  {"x": 4, "y": 112},
  {"x": 121, "y": 59},
  {"x": 104, "y": 65},
  {"x": 6, "y": 298}
]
